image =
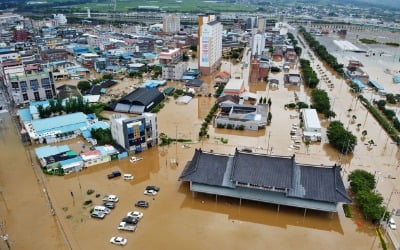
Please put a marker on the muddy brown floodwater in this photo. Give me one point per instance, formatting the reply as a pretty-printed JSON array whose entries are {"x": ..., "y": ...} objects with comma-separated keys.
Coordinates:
[{"x": 177, "y": 219}]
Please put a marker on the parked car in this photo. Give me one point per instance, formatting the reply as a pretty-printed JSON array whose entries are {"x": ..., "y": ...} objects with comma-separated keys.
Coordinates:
[
  {"x": 150, "y": 192},
  {"x": 135, "y": 214},
  {"x": 114, "y": 174},
  {"x": 141, "y": 204},
  {"x": 102, "y": 209},
  {"x": 109, "y": 204},
  {"x": 392, "y": 224},
  {"x": 118, "y": 241},
  {"x": 128, "y": 177},
  {"x": 135, "y": 159},
  {"x": 130, "y": 220},
  {"x": 111, "y": 197},
  {"x": 155, "y": 188},
  {"x": 126, "y": 227},
  {"x": 98, "y": 214}
]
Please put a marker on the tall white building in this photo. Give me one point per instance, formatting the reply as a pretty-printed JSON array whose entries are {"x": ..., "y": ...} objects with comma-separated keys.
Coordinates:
[
  {"x": 258, "y": 44},
  {"x": 210, "y": 44},
  {"x": 261, "y": 24},
  {"x": 171, "y": 23}
]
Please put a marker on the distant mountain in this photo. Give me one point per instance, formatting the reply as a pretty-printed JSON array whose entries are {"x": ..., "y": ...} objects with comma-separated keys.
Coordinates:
[{"x": 372, "y": 3}]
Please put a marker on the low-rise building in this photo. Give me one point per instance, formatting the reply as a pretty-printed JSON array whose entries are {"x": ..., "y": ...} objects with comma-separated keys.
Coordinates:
[
  {"x": 234, "y": 87},
  {"x": 135, "y": 134},
  {"x": 311, "y": 125},
  {"x": 263, "y": 178},
  {"x": 138, "y": 101},
  {"x": 242, "y": 117},
  {"x": 53, "y": 55}
]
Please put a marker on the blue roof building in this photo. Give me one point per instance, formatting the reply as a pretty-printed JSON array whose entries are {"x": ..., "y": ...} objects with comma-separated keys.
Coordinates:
[
  {"x": 57, "y": 125},
  {"x": 359, "y": 84},
  {"x": 48, "y": 150}
]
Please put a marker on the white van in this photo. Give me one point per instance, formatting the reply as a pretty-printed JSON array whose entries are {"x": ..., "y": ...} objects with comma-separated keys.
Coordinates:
[
  {"x": 128, "y": 177},
  {"x": 102, "y": 209}
]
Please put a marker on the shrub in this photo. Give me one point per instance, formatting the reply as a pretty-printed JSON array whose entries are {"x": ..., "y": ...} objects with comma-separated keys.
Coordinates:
[
  {"x": 347, "y": 211},
  {"x": 89, "y": 191},
  {"x": 229, "y": 126},
  {"x": 87, "y": 202}
]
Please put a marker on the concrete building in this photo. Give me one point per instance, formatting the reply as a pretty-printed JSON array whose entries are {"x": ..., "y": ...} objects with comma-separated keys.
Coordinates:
[
  {"x": 258, "y": 44},
  {"x": 135, "y": 133},
  {"x": 261, "y": 24},
  {"x": 234, "y": 87},
  {"x": 210, "y": 44},
  {"x": 251, "y": 23},
  {"x": 311, "y": 125},
  {"x": 172, "y": 65},
  {"x": 259, "y": 70},
  {"x": 242, "y": 117},
  {"x": 28, "y": 83},
  {"x": 263, "y": 178},
  {"x": 60, "y": 18},
  {"x": 171, "y": 23},
  {"x": 8, "y": 54},
  {"x": 53, "y": 55}
]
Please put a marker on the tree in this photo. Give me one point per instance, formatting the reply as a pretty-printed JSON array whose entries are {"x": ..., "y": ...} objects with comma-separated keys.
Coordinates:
[
  {"x": 193, "y": 47},
  {"x": 340, "y": 138},
  {"x": 40, "y": 110},
  {"x": 103, "y": 136},
  {"x": 83, "y": 86},
  {"x": 364, "y": 133},
  {"x": 185, "y": 57},
  {"x": 260, "y": 100},
  {"x": 361, "y": 180},
  {"x": 353, "y": 119},
  {"x": 358, "y": 126},
  {"x": 269, "y": 102},
  {"x": 108, "y": 77},
  {"x": 321, "y": 101},
  {"x": 269, "y": 118}
]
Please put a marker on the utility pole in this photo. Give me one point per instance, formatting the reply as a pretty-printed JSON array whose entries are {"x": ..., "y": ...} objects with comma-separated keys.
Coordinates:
[{"x": 3, "y": 231}]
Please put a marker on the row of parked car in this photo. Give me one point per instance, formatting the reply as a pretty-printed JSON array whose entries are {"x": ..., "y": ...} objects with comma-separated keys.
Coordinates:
[
  {"x": 101, "y": 211},
  {"x": 130, "y": 221}
]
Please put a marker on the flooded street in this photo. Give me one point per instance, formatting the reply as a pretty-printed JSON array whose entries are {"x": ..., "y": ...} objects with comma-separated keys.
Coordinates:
[{"x": 177, "y": 219}]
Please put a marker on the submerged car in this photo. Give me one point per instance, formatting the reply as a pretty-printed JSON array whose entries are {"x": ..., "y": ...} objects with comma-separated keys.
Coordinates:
[
  {"x": 98, "y": 214},
  {"x": 135, "y": 214},
  {"x": 130, "y": 220},
  {"x": 155, "y": 188},
  {"x": 118, "y": 240},
  {"x": 109, "y": 204},
  {"x": 141, "y": 204},
  {"x": 392, "y": 224},
  {"x": 150, "y": 192},
  {"x": 111, "y": 197}
]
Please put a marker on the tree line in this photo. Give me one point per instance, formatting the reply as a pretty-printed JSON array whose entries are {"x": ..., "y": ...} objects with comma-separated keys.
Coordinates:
[
  {"x": 340, "y": 138},
  {"x": 321, "y": 103},
  {"x": 71, "y": 105},
  {"x": 309, "y": 76},
  {"x": 321, "y": 51}
]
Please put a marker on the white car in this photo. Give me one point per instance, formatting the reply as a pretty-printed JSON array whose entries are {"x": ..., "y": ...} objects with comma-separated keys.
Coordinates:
[
  {"x": 126, "y": 227},
  {"x": 135, "y": 214},
  {"x": 392, "y": 224},
  {"x": 128, "y": 177},
  {"x": 135, "y": 159},
  {"x": 150, "y": 192},
  {"x": 118, "y": 240},
  {"x": 111, "y": 197}
]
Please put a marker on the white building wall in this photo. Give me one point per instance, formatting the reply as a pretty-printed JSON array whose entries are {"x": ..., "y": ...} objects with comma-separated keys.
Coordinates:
[
  {"x": 258, "y": 44},
  {"x": 171, "y": 23},
  {"x": 117, "y": 131},
  {"x": 210, "y": 44}
]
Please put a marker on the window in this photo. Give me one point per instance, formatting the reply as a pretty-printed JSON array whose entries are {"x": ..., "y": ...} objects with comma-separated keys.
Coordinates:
[
  {"x": 23, "y": 86},
  {"x": 37, "y": 97},
  {"x": 14, "y": 85},
  {"x": 46, "y": 83},
  {"x": 34, "y": 84},
  {"x": 25, "y": 96},
  {"x": 49, "y": 94}
]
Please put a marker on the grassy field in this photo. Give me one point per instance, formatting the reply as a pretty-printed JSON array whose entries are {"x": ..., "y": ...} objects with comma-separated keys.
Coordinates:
[{"x": 168, "y": 5}]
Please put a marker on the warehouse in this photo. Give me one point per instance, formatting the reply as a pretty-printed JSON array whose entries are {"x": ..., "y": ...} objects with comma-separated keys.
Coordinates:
[
  {"x": 311, "y": 125},
  {"x": 138, "y": 101}
]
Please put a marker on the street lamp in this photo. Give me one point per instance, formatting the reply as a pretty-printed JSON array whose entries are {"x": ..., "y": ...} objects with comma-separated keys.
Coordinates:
[{"x": 394, "y": 191}]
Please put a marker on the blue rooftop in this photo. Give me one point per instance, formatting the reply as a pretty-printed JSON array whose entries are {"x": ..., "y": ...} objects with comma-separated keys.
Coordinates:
[
  {"x": 396, "y": 79},
  {"x": 150, "y": 84},
  {"x": 25, "y": 115},
  {"x": 48, "y": 150},
  {"x": 149, "y": 55},
  {"x": 359, "y": 84},
  {"x": 69, "y": 161},
  {"x": 34, "y": 105},
  {"x": 62, "y": 123},
  {"x": 375, "y": 84}
]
